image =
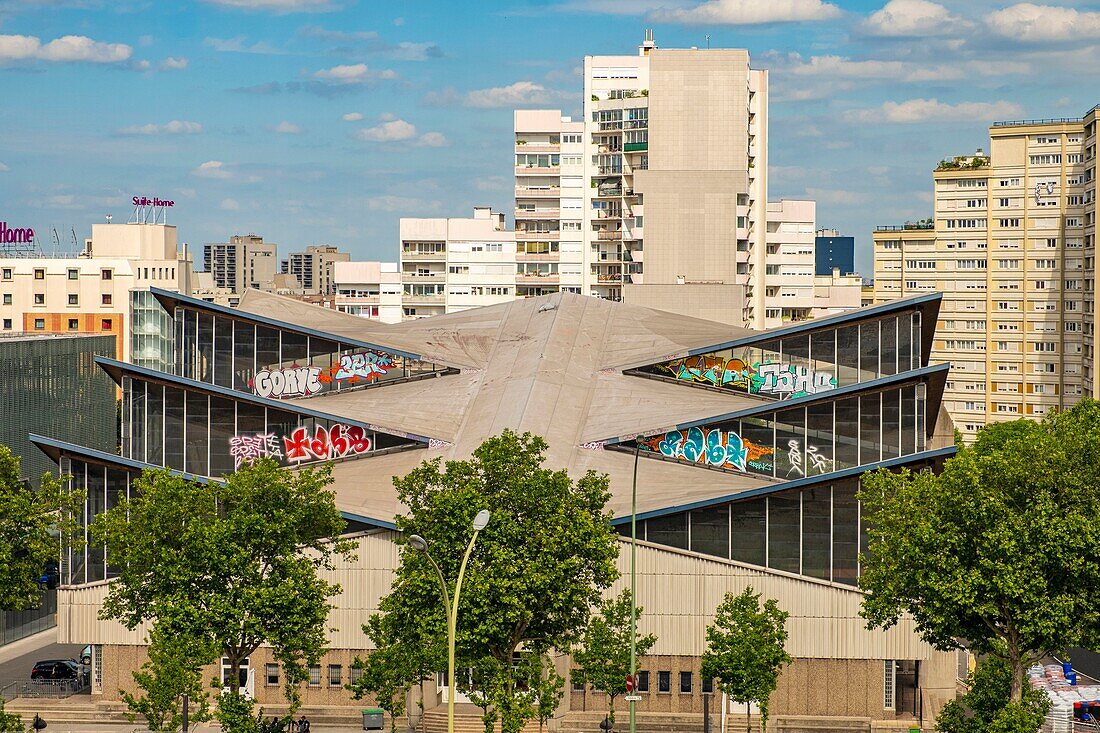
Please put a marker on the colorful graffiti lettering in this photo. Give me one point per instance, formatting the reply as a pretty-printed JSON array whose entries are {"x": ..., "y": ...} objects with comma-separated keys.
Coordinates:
[
  {"x": 335, "y": 442},
  {"x": 248, "y": 448},
  {"x": 368, "y": 365},
  {"x": 779, "y": 379},
  {"x": 788, "y": 380},
  {"x": 760, "y": 457},
  {"x": 289, "y": 382},
  {"x": 714, "y": 447}
]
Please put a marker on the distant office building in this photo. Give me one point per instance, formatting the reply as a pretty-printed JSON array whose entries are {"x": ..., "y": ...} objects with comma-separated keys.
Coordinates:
[
  {"x": 369, "y": 290},
  {"x": 312, "y": 269},
  {"x": 834, "y": 251},
  {"x": 89, "y": 291},
  {"x": 245, "y": 261}
]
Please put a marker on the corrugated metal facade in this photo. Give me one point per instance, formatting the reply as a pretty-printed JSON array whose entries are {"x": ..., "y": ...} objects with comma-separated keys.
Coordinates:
[{"x": 678, "y": 590}]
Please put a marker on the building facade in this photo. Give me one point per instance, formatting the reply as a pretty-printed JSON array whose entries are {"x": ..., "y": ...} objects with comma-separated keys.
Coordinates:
[
  {"x": 245, "y": 261},
  {"x": 368, "y": 289},
  {"x": 1012, "y": 249},
  {"x": 313, "y": 269},
  {"x": 834, "y": 251},
  {"x": 748, "y": 449},
  {"x": 89, "y": 292}
]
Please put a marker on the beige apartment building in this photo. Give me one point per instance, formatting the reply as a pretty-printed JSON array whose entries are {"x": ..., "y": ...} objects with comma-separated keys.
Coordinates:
[
  {"x": 245, "y": 261},
  {"x": 450, "y": 265},
  {"x": 1012, "y": 248},
  {"x": 312, "y": 270},
  {"x": 370, "y": 290},
  {"x": 89, "y": 291}
]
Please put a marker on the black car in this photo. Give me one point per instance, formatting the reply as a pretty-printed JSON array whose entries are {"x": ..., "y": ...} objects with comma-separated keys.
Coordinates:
[{"x": 56, "y": 669}]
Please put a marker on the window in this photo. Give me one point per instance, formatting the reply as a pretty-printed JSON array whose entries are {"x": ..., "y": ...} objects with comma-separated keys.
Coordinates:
[
  {"x": 578, "y": 684},
  {"x": 1046, "y": 264},
  {"x": 39, "y": 324},
  {"x": 888, "y": 678},
  {"x": 106, "y": 274},
  {"x": 643, "y": 682},
  {"x": 74, "y": 324},
  {"x": 708, "y": 685},
  {"x": 314, "y": 675},
  {"x": 1007, "y": 182},
  {"x": 1007, "y": 223},
  {"x": 685, "y": 683},
  {"x": 1003, "y": 203},
  {"x": 106, "y": 324},
  {"x": 74, "y": 299},
  {"x": 271, "y": 675},
  {"x": 664, "y": 682},
  {"x": 39, "y": 298},
  {"x": 1045, "y": 346},
  {"x": 1047, "y": 159},
  {"x": 972, "y": 183},
  {"x": 7, "y": 298},
  {"x": 73, "y": 273},
  {"x": 39, "y": 274},
  {"x": 354, "y": 674},
  {"x": 335, "y": 675},
  {"x": 7, "y": 273},
  {"x": 975, "y": 203},
  {"x": 7, "y": 324}
]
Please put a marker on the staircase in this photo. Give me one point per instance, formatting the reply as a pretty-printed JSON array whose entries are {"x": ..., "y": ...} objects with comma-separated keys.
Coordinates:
[{"x": 467, "y": 720}]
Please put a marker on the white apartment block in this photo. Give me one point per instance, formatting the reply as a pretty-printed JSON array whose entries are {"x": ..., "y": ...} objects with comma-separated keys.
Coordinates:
[
  {"x": 369, "y": 290},
  {"x": 89, "y": 292},
  {"x": 1012, "y": 248},
  {"x": 450, "y": 265}
]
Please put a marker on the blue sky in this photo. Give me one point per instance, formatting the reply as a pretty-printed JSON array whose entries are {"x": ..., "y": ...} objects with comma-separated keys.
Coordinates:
[{"x": 324, "y": 121}]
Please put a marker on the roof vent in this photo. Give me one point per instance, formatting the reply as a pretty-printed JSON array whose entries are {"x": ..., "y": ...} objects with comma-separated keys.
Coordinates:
[{"x": 547, "y": 307}]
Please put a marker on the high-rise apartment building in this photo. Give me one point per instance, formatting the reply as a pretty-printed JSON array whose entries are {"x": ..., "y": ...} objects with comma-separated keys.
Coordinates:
[
  {"x": 245, "y": 261},
  {"x": 312, "y": 269},
  {"x": 453, "y": 264},
  {"x": 834, "y": 250},
  {"x": 369, "y": 290},
  {"x": 1012, "y": 248}
]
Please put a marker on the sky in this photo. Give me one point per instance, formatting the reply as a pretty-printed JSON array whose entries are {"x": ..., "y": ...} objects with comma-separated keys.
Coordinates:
[{"x": 325, "y": 121}]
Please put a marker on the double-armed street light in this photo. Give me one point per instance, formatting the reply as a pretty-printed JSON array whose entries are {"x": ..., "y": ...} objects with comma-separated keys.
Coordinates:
[{"x": 419, "y": 544}]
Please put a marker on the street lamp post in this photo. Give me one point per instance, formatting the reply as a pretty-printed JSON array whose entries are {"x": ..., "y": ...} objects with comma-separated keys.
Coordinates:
[
  {"x": 633, "y": 589},
  {"x": 451, "y": 608}
]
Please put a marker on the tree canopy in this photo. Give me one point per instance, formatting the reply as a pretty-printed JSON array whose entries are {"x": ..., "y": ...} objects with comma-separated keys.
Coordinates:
[
  {"x": 986, "y": 708},
  {"x": 226, "y": 567},
  {"x": 30, "y": 520},
  {"x": 603, "y": 655},
  {"x": 998, "y": 552},
  {"x": 536, "y": 571},
  {"x": 746, "y": 649}
]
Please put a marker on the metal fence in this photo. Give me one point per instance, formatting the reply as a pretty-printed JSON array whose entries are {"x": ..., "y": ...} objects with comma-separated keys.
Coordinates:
[
  {"x": 49, "y": 689},
  {"x": 15, "y": 625}
]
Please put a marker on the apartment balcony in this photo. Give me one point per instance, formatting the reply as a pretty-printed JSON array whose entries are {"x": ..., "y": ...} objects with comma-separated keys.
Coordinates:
[
  {"x": 635, "y": 147},
  {"x": 609, "y": 278},
  {"x": 609, "y": 193},
  {"x": 609, "y": 235},
  {"x": 537, "y": 147},
  {"x": 634, "y": 278},
  {"x": 614, "y": 214},
  {"x": 632, "y": 233},
  {"x": 607, "y": 258},
  {"x": 532, "y": 279},
  {"x": 422, "y": 256},
  {"x": 539, "y": 257},
  {"x": 610, "y": 170},
  {"x": 524, "y": 235},
  {"x": 418, "y": 277},
  {"x": 358, "y": 299},
  {"x": 609, "y": 149},
  {"x": 524, "y": 170},
  {"x": 525, "y": 192},
  {"x": 539, "y": 214},
  {"x": 433, "y": 299}
]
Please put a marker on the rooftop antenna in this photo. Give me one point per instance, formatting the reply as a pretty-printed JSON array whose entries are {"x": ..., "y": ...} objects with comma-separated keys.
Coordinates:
[{"x": 708, "y": 40}]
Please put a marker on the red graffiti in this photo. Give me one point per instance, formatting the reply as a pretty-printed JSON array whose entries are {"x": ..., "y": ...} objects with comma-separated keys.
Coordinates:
[{"x": 335, "y": 442}]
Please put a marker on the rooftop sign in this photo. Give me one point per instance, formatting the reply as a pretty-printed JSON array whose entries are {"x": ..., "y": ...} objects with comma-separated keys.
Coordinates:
[{"x": 15, "y": 236}]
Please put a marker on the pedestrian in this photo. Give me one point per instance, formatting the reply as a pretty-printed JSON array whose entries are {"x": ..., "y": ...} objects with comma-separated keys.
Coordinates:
[{"x": 303, "y": 725}]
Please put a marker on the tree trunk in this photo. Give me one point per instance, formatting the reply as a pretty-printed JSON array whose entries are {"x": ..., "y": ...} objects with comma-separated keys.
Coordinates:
[
  {"x": 235, "y": 674},
  {"x": 748, "y": 717},
  {"x": 1017, "y": 665}
]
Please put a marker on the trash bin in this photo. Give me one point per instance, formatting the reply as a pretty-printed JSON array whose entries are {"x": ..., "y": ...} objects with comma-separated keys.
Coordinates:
[
  {"x": 374, "y": 719},
  {"x": 914, "y": 730}
]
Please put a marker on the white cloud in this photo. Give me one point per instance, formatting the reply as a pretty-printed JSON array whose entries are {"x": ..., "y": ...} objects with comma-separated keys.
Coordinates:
[
  {"x": 175, "y": 127},
  {"x": 4, "y": 168},
  {"x": 140, "y": 65},
  {"x": 352, "y": 117},
  {"x": 401, "y": 203},
  {"x": 932, "y": 110},
  {"x": 278, "y": 6},
  {"x": 835, "y": 196},
  {"x": 391, "y": 131},
  {"x": 912, "y": 18},
  {"x": 748, "y": 12},
  {"x": 229, "y": 205},
  {"x": 63, "y": 49},
  {"x": 433, "y": 140},
  {"x": 174, "y": 63},
  {"x": 1031, "y": 22},
  {"x": 237, "y": 44},
  {"x": 288, "y": 128},
  {"x": 520, "y": 94},
  {"x": 494, "y": 183},
  {"x": 353, "y": 74},
  {"x": 840, "y": 67},
  {"x": 212, "y": 169}
]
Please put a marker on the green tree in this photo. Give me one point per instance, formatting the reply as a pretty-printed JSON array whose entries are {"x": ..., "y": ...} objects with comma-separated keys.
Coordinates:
[
  {"x": 986, "y": 707},
  {"x": 745, "y": 650},
  {"x": 9, "y": 722},
  {"x": 537, "y": 568},
  {"x": 229, "y": 566},
  {"x": 174, "y": 669},
  {"x": 603, "y": 655},
  {"x": 994, "y": 552},
  {"x": 30, "y": 520}
]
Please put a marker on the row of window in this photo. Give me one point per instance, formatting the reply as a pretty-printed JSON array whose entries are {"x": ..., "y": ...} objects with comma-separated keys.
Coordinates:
[
  {"x": 664, "y": 682},
  {"x": 105, "y": 324},
  {"x": 272, "y": 675},
  {"x": 72, "y": 299},
  {"x": 72, "y": 273}
]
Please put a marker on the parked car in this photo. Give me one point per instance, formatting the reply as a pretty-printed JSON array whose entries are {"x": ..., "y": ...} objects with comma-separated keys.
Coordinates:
[
  {"x": 86, "y": 655},
  {"x": 56, "y": 669}
]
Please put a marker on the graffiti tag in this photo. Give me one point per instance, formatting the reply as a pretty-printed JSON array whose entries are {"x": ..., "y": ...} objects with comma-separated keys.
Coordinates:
[
  {"x": 787, "y": 380},
  {"x": 248, "y": 448},
  {"x": 715, "y": 447},
  {"x": 289, "y": 382},
  {"x": 367, "y": 365},
  {"x": 780, "y": 379},
  {"x": 335, "y": 442}
]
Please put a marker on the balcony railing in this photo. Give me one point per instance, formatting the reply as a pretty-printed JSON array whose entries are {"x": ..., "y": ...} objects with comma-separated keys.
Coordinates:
[
  {"x": 609, "y": 192},
  {"x": 522, "y": 170},
  {"x": 538, "y": 257},
  {"x": 524, "y": 192},
  {"x": 524, "y": 235},
  {"x": 422, "y": 277},
  {"x": 424, "y": 255},
  {"x": 635, "y": 147},
  {"x": 609, "y": 235},
  {"x": 528, "y": 278},
  {"x": 538, "y": 214}
]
